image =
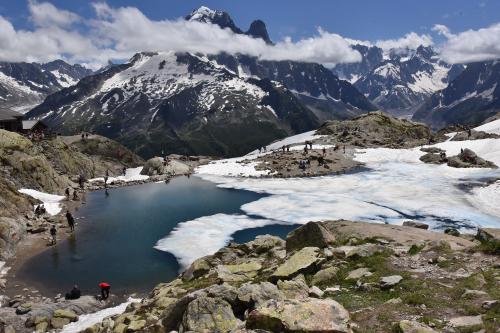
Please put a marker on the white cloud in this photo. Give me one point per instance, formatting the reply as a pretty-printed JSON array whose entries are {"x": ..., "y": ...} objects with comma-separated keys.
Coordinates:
[
  {"x": 442, "y": 30},
  {"x": 118, "y": 33},
  {"x": 46, "y": 15},
  {"x": 471, "y": 45},
  {"x": 411, "y": 41}
]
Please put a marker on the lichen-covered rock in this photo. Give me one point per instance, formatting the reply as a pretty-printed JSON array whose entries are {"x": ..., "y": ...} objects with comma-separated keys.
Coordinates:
[
  {"x": 467, "y": 323},
  {"x": 63, "y": 313},
  {"x": 57, "y": 323},
  {"x": 258, "y": 293},
  {"x": 324, "y": 276},
  {"x": 364, "y": 250},
  {"x": 310, "y": 234},
  {"x": 209, "y": 314},
  {"x": 296, "y": 288},
  {"x": 307, "y": 315},
  {"x": 238, "y": 272},
  {"x": 198, "y": 268},
  {"x": 415, "y": 224},
  {"x": 412, "y": 326},
  {"x": 301, "y": 261}
]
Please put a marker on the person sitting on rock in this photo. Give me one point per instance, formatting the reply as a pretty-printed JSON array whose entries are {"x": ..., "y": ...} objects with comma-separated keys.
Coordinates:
[
  {"x": 67, "y": 193},
  {"x": 105, "y": 287},
  {"x": 37, "y": 211},
  {"x": 42, "y": 209},
  {"x": 75, "y": 196},
  {"x": 75, "y": 293}
]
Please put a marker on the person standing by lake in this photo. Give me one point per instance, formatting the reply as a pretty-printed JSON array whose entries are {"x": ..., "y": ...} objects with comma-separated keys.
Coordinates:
[
  {"x": 71, "y": 221},
  {"x": 53, "y": 234}
]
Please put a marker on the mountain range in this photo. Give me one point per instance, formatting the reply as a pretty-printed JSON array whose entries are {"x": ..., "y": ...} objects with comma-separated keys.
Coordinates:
[
  {"x": 398, "y": 81},
  {"x": 228, "y": 104},
  {"x": 25, "y": 85},
  {"x": 194, "y": 104}
]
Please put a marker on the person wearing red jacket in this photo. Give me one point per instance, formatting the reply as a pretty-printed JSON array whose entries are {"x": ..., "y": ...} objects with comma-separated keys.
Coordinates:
[{"x": 104, "y": 289}]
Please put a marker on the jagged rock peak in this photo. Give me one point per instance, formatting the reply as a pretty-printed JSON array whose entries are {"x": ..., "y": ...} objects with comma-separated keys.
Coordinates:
[
  {"x": 220, "y": 18},
  {"x": 258, "y": 30}
]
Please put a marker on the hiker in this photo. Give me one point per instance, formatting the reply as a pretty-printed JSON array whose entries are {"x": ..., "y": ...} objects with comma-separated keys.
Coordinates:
[
  {"x": 124, "y": 170},
  {"x": 344, "y": 149},
  {"x": 53, "y": 234},
  {"x": 305, "y": 150},
  {"x": 41, "y": 209},
  {"x": 310, "y": 145},
  {"x": 260, "y": 150},
  {"x": 75, "y": 293},
  {"x": 67, "y": 193},
  {"x": 288, "y": 148},
  {"x": 83, "y": 136},
  {"x": 75, "y": 196},
  {"x": 86, "y": 135},
  {"x": 81, "y": 181},
  {"x": 37, "y": 211},
  {"x": 469, "y": 132},
  {"x": 104, "y": 289},
  {"x": 71, "y": 221},
  {"x": 283, "y": 148},
  {"x": 320, "y": 160},
  {"x": 324, "y": 151},
  {"x": 265, "y": 149}
]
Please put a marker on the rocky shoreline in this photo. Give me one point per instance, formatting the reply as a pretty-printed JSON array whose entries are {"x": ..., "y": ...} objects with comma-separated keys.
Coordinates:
[{"x": 336, "y": 276}]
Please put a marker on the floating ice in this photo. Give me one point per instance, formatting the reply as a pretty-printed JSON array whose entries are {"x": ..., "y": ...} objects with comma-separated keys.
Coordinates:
[
  {"x": 396, "y": 187},
  {"x": 197, "y": 238},
  {"x": 50, "y": 201}
]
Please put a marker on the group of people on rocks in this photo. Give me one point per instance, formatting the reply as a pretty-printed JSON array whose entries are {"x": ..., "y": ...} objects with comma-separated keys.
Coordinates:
[
  {"x": 76, "y": 293},
  {"x": 36, "y": 135},
  {"x": 75, "y": 196},
  {"x": 40, "y": 210}
]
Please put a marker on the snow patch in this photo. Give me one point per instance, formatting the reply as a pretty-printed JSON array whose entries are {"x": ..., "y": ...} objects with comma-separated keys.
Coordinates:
[
  {"x": 87, "y": 320},
  {"x": 131, "y": 174},
  {"x": 51, "y": 202}
]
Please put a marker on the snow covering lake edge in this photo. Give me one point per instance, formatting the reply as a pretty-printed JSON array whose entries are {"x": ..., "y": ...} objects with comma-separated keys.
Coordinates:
[{"x": 398, "y": 187}]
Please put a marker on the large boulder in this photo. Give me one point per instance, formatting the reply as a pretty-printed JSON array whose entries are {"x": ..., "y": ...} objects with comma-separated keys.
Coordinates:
[
  {"x": 468, "y": 159},
  {"x": 156, "y": 166},
  {"x": 467, "y": 323},
  {"x": 302, "y": 261},
  {"x": 310, "y": 234},
  {"x": 251, "y": 294},
  {"x": 324, "y": 276},
  {"x": 238, "y": 272},
  {"x": 306, "y": 315},
  {"x": 209, "y": 314}
]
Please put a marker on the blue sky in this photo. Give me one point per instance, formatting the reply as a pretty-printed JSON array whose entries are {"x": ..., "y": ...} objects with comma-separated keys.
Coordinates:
[
  {"x": 359, "y": 19},
  {"x": 93, "y": 32}
]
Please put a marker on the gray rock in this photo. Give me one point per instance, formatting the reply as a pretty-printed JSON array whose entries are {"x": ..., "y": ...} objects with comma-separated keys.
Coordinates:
[
  {"x": 467, "y": 323},
  {"x": 302, "y": 261},
  {"x": 316, "y": 292},
  {"x": 324, "y": 276},
  {"x": 415, "y": 224},
  {"x": 470, "y": 293},
  {"x": 250, "y": 293},
  {"x": 411, "y": 326},
  {"x": 211, "y": 314},
  {"x": 358, "y": 273},
  {"x": 388, "y": 282},
  {"x": 316, "y": 315},
  {"x": 312, "y": 234},
  {"x": 296, "y": 288}
]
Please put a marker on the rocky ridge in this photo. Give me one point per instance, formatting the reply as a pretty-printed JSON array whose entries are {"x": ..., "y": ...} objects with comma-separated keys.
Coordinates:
[
  {"x": 50, "y": 166},
  {"x": 336, "y": 276}
]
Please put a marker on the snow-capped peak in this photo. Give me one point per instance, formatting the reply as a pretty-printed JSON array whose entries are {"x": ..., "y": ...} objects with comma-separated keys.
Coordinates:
[{"x": 202, "y": 14}]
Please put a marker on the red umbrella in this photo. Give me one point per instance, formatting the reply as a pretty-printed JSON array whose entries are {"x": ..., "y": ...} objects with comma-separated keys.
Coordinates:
[{"x": 104, "y": 285}]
